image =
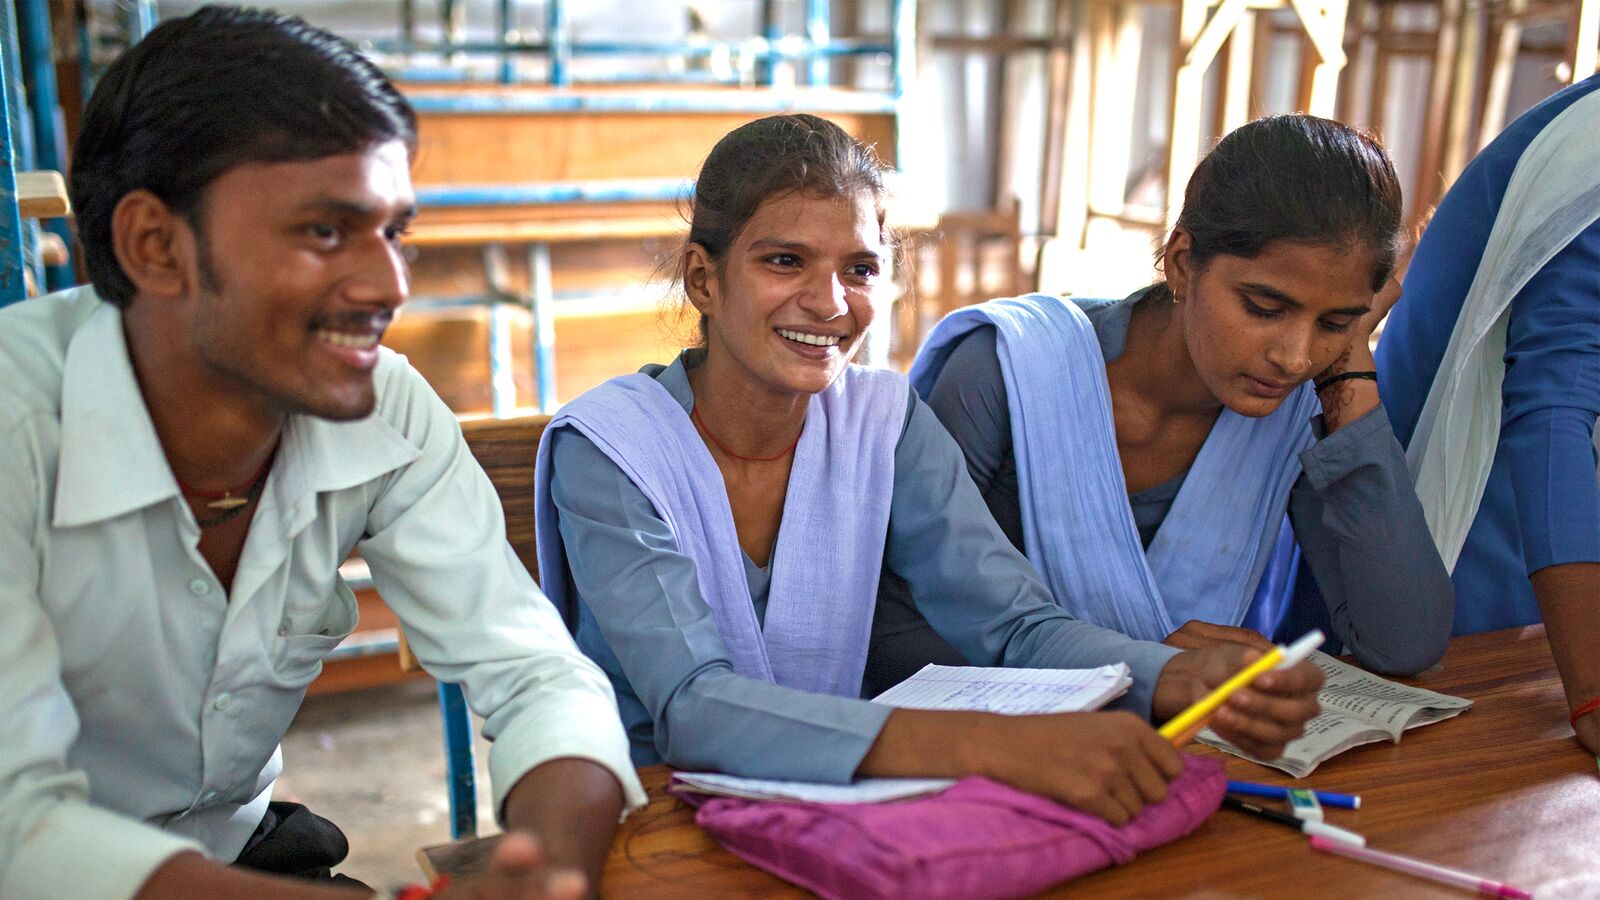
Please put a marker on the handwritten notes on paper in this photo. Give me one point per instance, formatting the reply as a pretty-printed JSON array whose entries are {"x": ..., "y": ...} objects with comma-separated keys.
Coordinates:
[{"x": 1011, "y": 691}]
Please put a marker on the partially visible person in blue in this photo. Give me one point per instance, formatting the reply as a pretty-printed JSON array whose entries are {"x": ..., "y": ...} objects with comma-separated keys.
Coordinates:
[
  {"x": 1500, "y": 420},
  {"x": 717, "y": 527},
  {"x": 1143, "y": 452}
]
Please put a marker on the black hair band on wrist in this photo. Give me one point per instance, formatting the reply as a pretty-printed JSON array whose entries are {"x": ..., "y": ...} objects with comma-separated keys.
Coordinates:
[{"x": 1345, "y": 376}]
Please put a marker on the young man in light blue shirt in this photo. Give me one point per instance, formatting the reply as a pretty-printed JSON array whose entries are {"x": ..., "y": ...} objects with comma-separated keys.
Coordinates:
[{"x": 188, "y": 450}]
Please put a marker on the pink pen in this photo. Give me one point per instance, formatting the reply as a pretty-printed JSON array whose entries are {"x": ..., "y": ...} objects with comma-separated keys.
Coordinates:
[{"x": 1421, "y": 869}]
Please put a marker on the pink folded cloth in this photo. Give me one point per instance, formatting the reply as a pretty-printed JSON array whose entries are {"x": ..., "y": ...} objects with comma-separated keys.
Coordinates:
[{"x": 979, "y": 839}]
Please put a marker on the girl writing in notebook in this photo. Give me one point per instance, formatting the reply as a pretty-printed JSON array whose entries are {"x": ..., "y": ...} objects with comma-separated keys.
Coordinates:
[
  {"x": 716, "y": 528},
  {"x": 1143, "y": 452}
]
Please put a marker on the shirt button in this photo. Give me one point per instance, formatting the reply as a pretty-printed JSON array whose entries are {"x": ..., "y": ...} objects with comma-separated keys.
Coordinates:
[
  {"x": 222, "y": 701},
  {"x": 283, "y": 628},
  {"x": 199, "y": 587}
]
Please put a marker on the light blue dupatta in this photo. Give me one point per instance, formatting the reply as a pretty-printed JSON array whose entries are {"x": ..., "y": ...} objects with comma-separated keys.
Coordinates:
[
  {"x": 829, "y": 553},
  {"x": 1205, "y": 561}
]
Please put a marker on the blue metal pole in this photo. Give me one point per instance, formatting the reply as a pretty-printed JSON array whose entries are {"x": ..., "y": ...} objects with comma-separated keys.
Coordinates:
[
  {"x": 772, "y": 30},
  {"x": 16, "y": 99},
  {"x": 447, "y": 25},
  {"x": 541, "y": 300},
  {"x": 85, "y": 54},
  {"x": 459, "y": 772},
  {"x": 143, "y": 20},
  {"x": 818, "y": 25},
  {"x": 558, "y": 35},
  {"x": 44, "y": 104},
  {"x": 12, "y": 287},
  {"x": 904, "y": 25},
  {"x": 505, "y": 17},
  {"x": 19, "y": 155}
]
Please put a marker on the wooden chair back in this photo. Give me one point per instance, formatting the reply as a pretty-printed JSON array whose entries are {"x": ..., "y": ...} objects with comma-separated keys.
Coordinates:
[{"x": 970, "y": 258}]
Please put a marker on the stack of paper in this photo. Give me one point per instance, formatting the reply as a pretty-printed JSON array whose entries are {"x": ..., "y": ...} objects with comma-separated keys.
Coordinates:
[
  {"x": 1010, "y": 691},
  {"x": 863, "y": 790},
  {"x": 1013, "y": 691}
]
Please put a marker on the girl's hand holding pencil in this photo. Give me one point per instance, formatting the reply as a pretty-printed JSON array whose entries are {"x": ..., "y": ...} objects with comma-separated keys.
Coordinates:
[{"x": 1241, "y": 693}]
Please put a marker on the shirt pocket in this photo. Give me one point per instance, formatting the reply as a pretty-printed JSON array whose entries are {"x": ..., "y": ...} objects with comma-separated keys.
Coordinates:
[{"x": 310, "y": 631}]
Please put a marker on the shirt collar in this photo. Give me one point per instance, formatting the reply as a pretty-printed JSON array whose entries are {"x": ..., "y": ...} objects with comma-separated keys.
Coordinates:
[
  {"x": 319, "y": 455},
  {"x": 112, "y": 463}
]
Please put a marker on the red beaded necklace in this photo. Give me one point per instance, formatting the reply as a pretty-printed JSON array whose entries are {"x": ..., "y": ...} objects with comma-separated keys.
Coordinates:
[{"x": 695, "y": 414}]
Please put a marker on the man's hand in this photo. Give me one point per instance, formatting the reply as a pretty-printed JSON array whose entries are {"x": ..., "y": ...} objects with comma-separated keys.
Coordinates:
[
  {"x": 1259, "y": 719},
  {"x": 518, "y": 871},
  {"x": 572, "y": 806},
  {"x": 1194, "y": 634}
]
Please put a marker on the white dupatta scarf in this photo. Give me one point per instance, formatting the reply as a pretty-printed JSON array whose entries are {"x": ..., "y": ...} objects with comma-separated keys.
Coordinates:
[{"x": 1553, "y": 195}]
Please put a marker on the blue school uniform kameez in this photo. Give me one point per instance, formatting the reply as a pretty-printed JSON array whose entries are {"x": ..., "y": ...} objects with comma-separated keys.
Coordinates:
[
  {"x": 1352, "y": 510},
  {"x": 643, "y": 619},
  {"x": 1541, "y": 506}
]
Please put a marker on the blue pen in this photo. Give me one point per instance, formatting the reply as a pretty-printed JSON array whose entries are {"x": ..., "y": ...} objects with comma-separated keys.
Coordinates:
[{"x": 1326, "y": 798}]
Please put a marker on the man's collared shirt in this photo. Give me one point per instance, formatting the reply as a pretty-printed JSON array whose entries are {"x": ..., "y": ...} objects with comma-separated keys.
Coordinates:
[{"x": 143, "y": 703}]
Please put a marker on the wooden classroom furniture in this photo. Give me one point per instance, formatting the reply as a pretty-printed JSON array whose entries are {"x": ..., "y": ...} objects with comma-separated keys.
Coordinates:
[
  {"x": 1206, "y": 29},
  {"x": 984, "y": 246},
  {"x": 1472, "y": 48},
  {"x": 1502, "y": 791},
  {"x": 1095, "y": 228},
  {"x": 533, "y": 168}
]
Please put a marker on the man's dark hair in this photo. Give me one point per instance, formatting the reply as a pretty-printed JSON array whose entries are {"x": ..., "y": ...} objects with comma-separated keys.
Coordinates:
[
  {"x": 207, "y": 92},
  {"x": 1295, "y": 178}
]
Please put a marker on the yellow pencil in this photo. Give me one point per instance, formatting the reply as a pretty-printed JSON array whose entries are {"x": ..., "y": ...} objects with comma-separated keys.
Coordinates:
[{"x": 1180, "y": 728}]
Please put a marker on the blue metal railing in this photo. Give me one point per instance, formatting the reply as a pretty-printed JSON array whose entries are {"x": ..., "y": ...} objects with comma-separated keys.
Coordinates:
[
  {"x": 619, "y": 191},
  {"x": 142, "y": 20},
  {"x": 559, "y": 31},
  {"x": 766, "y": 50},
  {"x": 12, "y": 285},
  {"x": 19, "y": 238},
  {"x": 818, "y": 26},
  {"x": 754, "y": 102},
  {"x": 44, "y": 107}
]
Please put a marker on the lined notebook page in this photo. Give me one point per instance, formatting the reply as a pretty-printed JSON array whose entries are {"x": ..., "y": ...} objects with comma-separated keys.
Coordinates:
[{"x": 1011, "y": 691}]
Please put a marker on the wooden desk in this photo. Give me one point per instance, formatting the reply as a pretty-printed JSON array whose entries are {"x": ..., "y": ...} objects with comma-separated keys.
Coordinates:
[{"x": 1502, "y": 791}]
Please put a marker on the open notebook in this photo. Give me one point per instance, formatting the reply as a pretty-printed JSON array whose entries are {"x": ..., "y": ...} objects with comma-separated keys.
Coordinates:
[
  {"x": 1358, "y": 708},
  {"x": 1009, "y": 691}
]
